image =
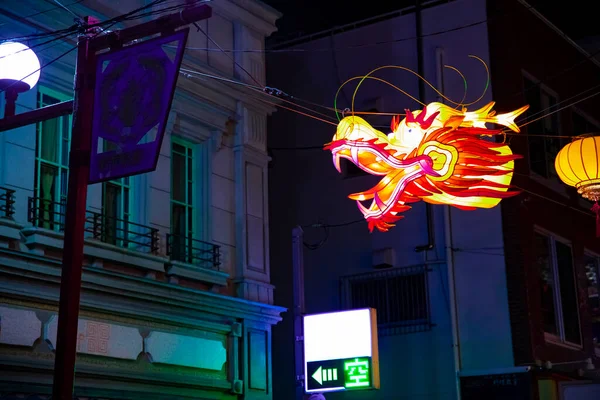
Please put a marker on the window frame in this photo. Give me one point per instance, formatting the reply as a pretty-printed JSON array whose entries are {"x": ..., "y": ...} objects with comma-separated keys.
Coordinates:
[
  {"x": 584, "y": 115},
  {"x": 122, "y": 221},
  {"x": 560, "y": 338},
  {"x": 589, "y": 253},
  {"x": 390, "y": 298},
  {"x": 551, "y": 181},
  {"x": 59, "y": 197},
  {"x": 190, "y": 207}
]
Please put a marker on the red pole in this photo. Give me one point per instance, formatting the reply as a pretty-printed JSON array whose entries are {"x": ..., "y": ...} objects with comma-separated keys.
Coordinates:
[
  {"x": 79, "y": 168},
  {"x": 11, "y": 99}
]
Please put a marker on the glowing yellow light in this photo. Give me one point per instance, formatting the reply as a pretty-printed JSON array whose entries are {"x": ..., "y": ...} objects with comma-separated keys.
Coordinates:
[
  {"x": 578, "y": 165},
  {"x": 436, "y": 155}
]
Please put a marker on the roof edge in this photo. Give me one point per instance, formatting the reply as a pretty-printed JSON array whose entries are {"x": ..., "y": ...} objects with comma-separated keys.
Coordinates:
[
  {"x": 356, "y": 24},
  {"x": 560, "y": 33}
]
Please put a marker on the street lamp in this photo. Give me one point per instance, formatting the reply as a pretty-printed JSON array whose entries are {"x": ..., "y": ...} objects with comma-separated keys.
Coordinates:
[{"x": 19, "y": 72}]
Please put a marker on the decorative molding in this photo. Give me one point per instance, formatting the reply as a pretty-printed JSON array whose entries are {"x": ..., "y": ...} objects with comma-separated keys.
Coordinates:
[
  {"x": 100, "y": 338},
  {"x": 19, "y": 327},
  {"x": 254, "y": 129},
  {"x": 255, "y": 15},
  {"x": 39, "y": 239},
  {"x": 178, "y": 269},
  {"x": 236, "y": 329},
  {"x": 10, "y": 231},
  {"x": 185, "y": 351},
  {"x": 126, "y": 295},
  {"x": 254, "y": 290}
]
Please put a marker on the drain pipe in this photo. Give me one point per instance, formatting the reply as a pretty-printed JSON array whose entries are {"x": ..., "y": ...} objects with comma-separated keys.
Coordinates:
[
  {"x": 440, "y": 62},
  {"x": 420, "y": 69},
  {"x": 299, "y": 308},
  {"x": 452, "y": 296}
]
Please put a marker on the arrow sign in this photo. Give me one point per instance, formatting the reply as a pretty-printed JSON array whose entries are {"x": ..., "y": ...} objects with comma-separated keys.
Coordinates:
[
  {"x": 326, "y": 375},
  {"x": 317, "y": 376}
]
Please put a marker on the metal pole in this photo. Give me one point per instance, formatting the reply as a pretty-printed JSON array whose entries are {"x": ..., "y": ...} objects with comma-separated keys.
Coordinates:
[
  {"x": 298, "y": 312},
  {"x": 11, "y": 98},
  {"x": 35, "y": 116},
  {"x": 70, "y": 284},
  {"x": 421, "y": 70}
]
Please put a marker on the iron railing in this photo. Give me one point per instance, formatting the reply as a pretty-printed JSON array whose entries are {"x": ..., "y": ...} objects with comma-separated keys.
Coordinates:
[
  {"x": 193, "y": 251},
  {"x": 119, "y": 232},
  {"x": 46, "y": 214},
  {"x": 400, "y": 296},
  {"x": 122, "y": 233},
  {"x": 7, "y": 201}
]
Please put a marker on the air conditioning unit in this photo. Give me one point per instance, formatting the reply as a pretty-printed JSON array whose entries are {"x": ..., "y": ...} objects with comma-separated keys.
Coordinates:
[{"x": 384, "y": 258}]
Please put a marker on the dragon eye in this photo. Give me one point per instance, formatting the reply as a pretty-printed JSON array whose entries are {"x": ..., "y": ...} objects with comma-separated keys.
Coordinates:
[{"x": 410, "y": 130}]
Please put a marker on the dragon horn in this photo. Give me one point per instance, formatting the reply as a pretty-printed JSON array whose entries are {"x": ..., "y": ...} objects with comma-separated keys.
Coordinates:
[
  {"x": 395, "y": 122},
  {"x": 508, "y": 119}
]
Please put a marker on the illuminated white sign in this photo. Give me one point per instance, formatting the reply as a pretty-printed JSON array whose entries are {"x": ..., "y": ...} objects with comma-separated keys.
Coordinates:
[{"x": 340, "y": 351}]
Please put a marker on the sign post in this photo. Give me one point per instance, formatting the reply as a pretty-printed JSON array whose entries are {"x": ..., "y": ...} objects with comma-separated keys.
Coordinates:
[
  {"x": 341, "y": 351},
  {"x": 104, "y": 92}
]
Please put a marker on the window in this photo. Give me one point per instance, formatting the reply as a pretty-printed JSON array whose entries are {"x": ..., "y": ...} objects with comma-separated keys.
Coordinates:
[
  {"x": 591, "y": 265},
  {"x": 400, "y": 296},
  {"x": 116, "y": 207},
  {"x": 53, "y": 139},
  {"x": 182, "y": 199},
  {"x": 542, "y": 149},
  {"x": 582, "y": 125},
  {"x": 558, "y": 289}
]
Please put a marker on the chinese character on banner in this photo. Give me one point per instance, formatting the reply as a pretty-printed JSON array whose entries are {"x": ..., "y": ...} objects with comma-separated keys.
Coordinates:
[{"x": 357, "y": 373}]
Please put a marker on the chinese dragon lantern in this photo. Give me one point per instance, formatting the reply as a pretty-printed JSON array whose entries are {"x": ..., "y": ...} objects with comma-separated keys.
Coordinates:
[
  {"x": 578, "y": 165},
  {"x": 437, "y": 154}
]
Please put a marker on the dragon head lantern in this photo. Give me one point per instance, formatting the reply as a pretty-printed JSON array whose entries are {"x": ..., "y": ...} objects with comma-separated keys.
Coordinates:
[{"x": 436, "y": 154}]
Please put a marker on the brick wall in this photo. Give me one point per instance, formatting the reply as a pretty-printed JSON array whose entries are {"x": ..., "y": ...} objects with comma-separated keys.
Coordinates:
[{"x": 520, "y": 41}]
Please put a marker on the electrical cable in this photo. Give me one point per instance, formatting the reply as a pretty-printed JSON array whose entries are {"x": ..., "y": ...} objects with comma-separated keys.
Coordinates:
[
  {"x": 111, "y": 22},
  {"x": 44, "y": 12},
  {"x": 39, "y": 44},
  {"x": 256, "y": 88},
  {"x": 40, "y": 68},
  {"x": 77, "y": 17},
  {"x": 230, "y": 57}
]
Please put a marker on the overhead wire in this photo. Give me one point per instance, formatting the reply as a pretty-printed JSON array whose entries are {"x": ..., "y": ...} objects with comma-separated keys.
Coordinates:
[
  {"x": 77, "y": 17},
  {"x": 43, "y": 12},
  {"x": 80, "y": 28}
]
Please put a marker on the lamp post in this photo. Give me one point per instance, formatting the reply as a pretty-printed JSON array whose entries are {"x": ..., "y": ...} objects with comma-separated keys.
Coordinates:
[{"x": 19, "y": 72}]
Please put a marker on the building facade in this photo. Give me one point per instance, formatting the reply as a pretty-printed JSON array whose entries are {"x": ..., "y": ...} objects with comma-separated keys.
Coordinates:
[
  {"x": 460, "y": 293},
  {"x": 176, "y": 295}
]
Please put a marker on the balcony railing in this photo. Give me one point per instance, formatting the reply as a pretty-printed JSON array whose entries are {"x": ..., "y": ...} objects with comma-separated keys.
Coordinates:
[
  {"x": 122, "y": 232},
  {"x": 193, "y": 251},
  {"x": 119, "y": 232},
  {"x": 7, "y": 201}
]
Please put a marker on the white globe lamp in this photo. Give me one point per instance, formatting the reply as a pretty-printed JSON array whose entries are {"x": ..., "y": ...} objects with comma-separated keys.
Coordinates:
[{"x": 19, "y": 72}]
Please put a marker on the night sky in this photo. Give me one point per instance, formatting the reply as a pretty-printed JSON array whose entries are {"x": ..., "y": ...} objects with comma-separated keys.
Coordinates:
[{"x": 302, "y": 17}]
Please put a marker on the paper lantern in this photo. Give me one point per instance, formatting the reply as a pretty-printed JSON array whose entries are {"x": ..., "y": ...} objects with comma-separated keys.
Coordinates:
[
  {"x": 578, "y": 165},
  {"x": 436, "y": 155}
]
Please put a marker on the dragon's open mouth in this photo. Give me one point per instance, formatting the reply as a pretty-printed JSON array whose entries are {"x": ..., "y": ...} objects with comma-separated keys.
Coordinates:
[{"x": 375, "y": 159}]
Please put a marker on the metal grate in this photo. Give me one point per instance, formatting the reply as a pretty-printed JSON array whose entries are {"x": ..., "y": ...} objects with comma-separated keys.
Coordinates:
[
  {"x": 122, "y": 233},
  {"x": 193, "y": 251},
  {"x": 400, "y": 296},
  {"x": 7, "y": 201}
]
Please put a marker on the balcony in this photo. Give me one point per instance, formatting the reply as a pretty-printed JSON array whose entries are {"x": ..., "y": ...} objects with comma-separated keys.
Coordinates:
[
  {"x": 7, "y": 201},
  {"x": 114, "y": 231},
  {"x": 193, "y": 251}
]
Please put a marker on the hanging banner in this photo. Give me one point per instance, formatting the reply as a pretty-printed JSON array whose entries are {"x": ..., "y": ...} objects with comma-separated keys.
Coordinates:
[{"x": 133, "y": 94}]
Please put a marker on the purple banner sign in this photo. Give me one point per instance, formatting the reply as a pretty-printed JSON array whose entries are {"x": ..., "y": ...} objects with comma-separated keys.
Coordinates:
[{"x": 133, "y": 95}]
